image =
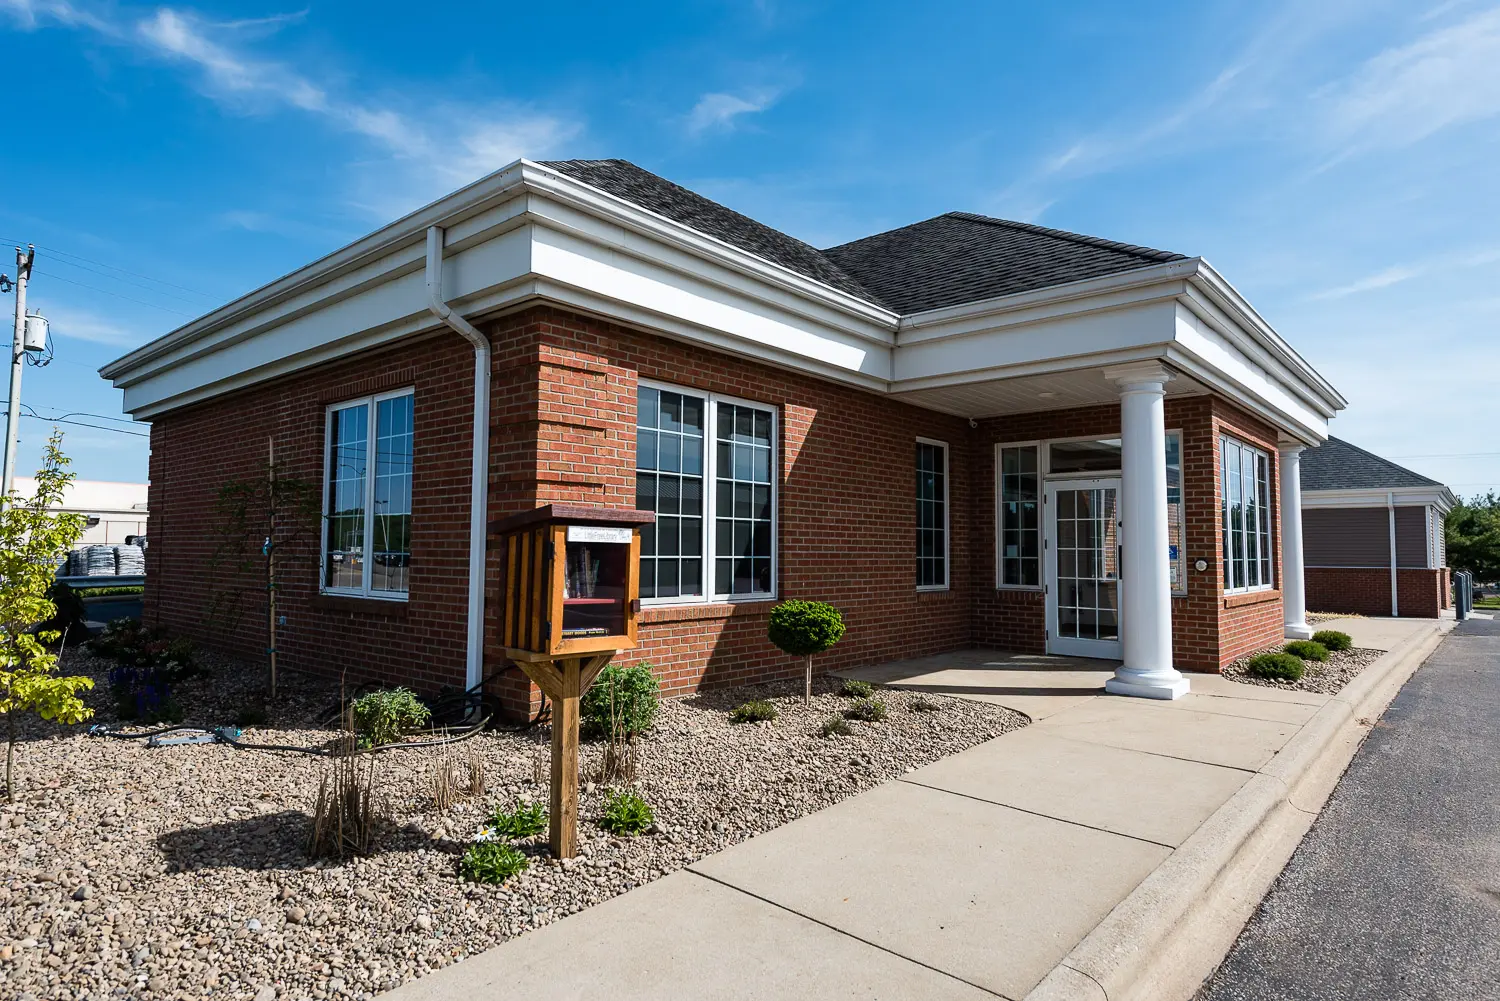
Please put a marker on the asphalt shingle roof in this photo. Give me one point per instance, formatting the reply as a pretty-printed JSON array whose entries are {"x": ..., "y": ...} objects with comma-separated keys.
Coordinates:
[
  {"x": 948, "y": 260},
  {"x": 961, "y": 257},
  {"x": 1338, "y": 465},
  {"x": 624, "y": 179}
]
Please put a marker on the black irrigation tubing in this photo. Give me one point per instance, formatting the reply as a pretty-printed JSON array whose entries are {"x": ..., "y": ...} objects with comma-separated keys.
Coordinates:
[
  {"x": 99, "y": 730},
  {"x": 326, "y": 752}
]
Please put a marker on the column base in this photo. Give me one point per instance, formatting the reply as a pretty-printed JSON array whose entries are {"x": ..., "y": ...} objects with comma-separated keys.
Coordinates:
[
  {"x": 1299, "y": 631},
  {"x": 1148, "y": 687}
]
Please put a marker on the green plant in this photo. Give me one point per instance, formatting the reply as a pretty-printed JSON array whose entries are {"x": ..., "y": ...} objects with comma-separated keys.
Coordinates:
[
  {"x": 383, "y": 717},
  {"x": 1472, "y": 536},
  {"x": 1307, "y": 650},
  {"x": 835, "y": 726},
  {"x": 804, "y": 628},
  {"x": 857, "y": 689},
  {"x": 32, "y": 538},
  {"x": 1333, "y": 640},
  {"x": 754, "y": 711},
  {"x": 922, "y": 704},
  {"x": 621, "y": 703},
  {"x": 250, "y": 716},
  {"x": 127, "y": 590},
  {"x": 625, "y": 812},
  {"x": 522, "y": 821},
  {"x": 491, "y": 862},
  {"x": 1276, "y": 665},
  {"x": 868, "y": 710}
]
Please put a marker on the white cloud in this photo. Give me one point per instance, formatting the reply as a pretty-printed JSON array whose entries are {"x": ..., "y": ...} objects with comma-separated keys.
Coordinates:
[
  {"x": 82, "y": 325},
  {"x": 1447, "y": 77},
  {"x": 1379, "y": 280},
  {"x": 719, "y": 111},
  {"x": 430, "y": 152}
]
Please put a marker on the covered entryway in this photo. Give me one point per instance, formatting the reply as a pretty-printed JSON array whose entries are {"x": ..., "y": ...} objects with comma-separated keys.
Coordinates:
[{"x": 1082, "y": 558}]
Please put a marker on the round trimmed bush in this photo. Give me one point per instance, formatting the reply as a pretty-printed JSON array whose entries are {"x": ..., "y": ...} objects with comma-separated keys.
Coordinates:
[
  {"x": 1307, "y": 650},
  {"x": 1333, "y": 640},
  {"x": 623, "y": 698},
  {"x": 804, "y": 628},
  {"x": 1276, "y": 665}
]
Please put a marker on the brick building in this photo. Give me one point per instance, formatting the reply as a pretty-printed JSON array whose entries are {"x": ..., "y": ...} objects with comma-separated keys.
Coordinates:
[
  {"x": 1372, "y": 534},
  {"x": 963, "y": 432}
]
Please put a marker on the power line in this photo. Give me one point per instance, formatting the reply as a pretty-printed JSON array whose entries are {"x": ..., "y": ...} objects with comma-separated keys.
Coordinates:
[
  {"x": 126, "y": 281},
  {"x": 1452, "y": 455},
  {"x": 133, "y": 274},
  {"x": 117, "y": 295},
  {"x": 77, "y": 413}
]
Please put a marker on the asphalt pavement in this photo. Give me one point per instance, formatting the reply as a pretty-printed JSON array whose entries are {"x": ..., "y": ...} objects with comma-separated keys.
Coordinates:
[{"x": 1395, "y": 891}]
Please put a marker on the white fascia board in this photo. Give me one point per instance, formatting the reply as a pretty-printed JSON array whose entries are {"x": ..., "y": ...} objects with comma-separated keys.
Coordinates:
[
  {"x": 1440, "y": 498},
  {"x": 1215, "y": 359},
  {"x": 709, "y": 304},
  {"x": 1039, "y": 338}
]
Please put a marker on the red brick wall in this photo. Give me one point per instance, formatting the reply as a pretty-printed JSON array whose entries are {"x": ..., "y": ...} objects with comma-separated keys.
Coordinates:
[
  {"x": 1247, "y": 622},
  {"x": 1420, "y": 594}
]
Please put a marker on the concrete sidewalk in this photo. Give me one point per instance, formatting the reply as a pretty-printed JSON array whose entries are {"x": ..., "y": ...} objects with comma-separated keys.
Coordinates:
[{"x": 976, "y": 876}]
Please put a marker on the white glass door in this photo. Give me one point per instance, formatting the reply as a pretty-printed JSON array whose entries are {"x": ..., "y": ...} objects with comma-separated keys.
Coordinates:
[{"x": 1083, "y": 567}]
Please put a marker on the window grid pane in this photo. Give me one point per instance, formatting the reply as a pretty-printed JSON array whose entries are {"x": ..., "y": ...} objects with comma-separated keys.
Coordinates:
[
  {"x": 1246, "y": 487},
  {"x": 391, "y": 555},
  {"x": 932, "y": 515},
  {"x": 669, "y": 481},
  {"x": 1020, "y": 527},
  {"x": 348, "y": 433},
  {"x": 742, "y": 481}
]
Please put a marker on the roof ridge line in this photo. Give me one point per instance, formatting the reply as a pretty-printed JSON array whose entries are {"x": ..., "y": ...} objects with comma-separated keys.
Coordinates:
[{"x": 1151, "y": 253}]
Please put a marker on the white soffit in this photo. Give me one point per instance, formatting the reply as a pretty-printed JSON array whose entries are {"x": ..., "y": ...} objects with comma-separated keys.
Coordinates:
[
  {"x": 1032, "y": 393},
  {"x": 1439, "y": 497}
]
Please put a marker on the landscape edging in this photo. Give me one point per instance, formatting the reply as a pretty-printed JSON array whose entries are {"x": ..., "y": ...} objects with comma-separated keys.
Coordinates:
[{"x": 1163, "y": 940}]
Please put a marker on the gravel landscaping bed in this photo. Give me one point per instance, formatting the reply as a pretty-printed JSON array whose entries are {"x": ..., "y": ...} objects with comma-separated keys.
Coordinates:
[
  {"x": 181, "y": 872},
  {"x": 1327, "y": 678}
]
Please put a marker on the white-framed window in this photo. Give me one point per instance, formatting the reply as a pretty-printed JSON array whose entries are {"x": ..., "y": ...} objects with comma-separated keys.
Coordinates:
[
  {"x": 1019, "y": 522},
  {"x": 1022, "y": 468},
  {"x": 1245, "y": 485},
  {"x": 366, "y": 548},
  {"x": 706, "y": 464},
  {"x": 932, "y": 515}
]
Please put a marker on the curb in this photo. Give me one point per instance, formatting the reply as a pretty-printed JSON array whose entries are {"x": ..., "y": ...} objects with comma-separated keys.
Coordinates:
[{"x": 1169, "y": 935}]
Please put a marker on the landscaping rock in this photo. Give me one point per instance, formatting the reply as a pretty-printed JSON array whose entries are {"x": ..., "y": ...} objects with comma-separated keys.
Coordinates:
[
  {"x": 206, "y": 839},
  {"x": 1326, "y": 678}
]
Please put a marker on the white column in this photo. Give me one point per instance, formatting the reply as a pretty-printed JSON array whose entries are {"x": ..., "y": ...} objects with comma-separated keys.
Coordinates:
[
  {"x": 1145, "y": 579},
  {"x": 1293, "y": 590}
]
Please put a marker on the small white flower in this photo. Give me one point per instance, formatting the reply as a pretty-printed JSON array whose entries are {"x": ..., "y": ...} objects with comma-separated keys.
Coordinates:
[{"x": 486, "y": 834}]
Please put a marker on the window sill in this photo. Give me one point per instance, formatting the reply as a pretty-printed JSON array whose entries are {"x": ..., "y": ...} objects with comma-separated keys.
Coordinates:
[
  {"x": 934, "y": 589},
  {"x": 1244, "y": 598},
  {"x": 1022, "y": 588},
  {"x": 699, "y": 611},
  {"x": 386, "y": 607}
]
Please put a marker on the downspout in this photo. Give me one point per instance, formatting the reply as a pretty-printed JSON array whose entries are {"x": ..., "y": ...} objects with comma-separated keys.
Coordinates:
[
  {"x": 1390, "y": 506},
  {"x": 479, "y": 468}
]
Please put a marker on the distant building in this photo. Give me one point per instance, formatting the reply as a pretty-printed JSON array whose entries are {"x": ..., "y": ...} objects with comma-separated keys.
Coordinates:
[
  {"x": 113, "y": 510},
  {"x": 1372, "y": 534}
]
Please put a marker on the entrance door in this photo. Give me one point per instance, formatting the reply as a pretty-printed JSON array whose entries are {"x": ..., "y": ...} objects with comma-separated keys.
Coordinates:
[{"x": 1083, "y": 568}]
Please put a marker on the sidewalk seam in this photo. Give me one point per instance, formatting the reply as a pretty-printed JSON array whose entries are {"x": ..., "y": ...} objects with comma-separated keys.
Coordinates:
[
  {"x": 846, "y": 934},
  {"x": 1159, "y": 754},
  {"x": 1035, "y": 813}
]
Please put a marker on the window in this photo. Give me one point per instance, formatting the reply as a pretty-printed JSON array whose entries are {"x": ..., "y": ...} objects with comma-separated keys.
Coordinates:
[
  {"x": 367, "y": 505},
  {"x": 689, "y": 549},
  {"x": 1245, "y": 481},
  {"x": 932, "y": 515},
  {"x": 1020, "y": 525},
  {"x": 1176, "y": 553}
]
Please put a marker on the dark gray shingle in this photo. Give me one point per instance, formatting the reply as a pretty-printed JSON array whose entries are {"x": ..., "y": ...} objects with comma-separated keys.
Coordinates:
[{"x": 1338, "y": 465}]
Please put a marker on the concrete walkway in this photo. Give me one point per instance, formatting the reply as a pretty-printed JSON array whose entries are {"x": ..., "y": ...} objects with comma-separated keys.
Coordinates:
[{"x": 973, "y": 877}]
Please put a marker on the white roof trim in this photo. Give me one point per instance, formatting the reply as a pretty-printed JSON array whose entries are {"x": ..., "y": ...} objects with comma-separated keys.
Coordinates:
[{"x": 1439, "y": 497}]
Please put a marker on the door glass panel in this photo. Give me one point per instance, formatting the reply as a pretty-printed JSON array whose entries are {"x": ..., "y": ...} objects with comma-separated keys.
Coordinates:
[{"x": 1087, "y": 564}]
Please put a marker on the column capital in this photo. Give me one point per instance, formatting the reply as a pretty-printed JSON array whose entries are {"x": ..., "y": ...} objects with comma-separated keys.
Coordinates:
[
  {"x": 1140, "y": 373},
  {"x": 1290, "y": 447}
]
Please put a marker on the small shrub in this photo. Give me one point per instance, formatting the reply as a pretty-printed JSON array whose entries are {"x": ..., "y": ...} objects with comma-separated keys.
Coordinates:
[
  {"x": 383, "y": 717},
  {"x": 805, "y": 628},
  {"x": 835, "y": 726},
  {"x": 1307, "y": 650},
  {"x": 250, "y": 716},
  {"x": 857, "y": 689},
  {"x": 621, "y": 703},
  {"x": 491, "y": 862},
  {"x": 922, "y": 704},
  {"x": 754, "y": 711},
  {"x": 868, "y": 710},
  {"x": 522, "y": 821},
  {"x": 70, "y": 614},
  {"x": 1276, "y": 665},
  {"x": 626, "y": 813},
  {"x": 1333, "y": 640}
]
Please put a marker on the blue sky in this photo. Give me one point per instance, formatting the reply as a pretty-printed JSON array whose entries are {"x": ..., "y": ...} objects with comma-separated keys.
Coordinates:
[{"x": 1336, "y": 161}]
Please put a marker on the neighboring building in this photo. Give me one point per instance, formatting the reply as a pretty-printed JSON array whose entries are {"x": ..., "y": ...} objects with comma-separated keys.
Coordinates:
[
  {"x": 944, "y": 429},
  {"x": 114, "y": 511},
  {"x": 1372, "y": 534}
]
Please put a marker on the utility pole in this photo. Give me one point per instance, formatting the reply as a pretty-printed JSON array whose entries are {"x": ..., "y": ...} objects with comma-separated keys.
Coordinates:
[{"x": 17, "y": 359}]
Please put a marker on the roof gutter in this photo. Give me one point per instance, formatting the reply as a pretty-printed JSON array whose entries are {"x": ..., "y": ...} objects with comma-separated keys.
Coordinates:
[{"x": 479, "y": 468}]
